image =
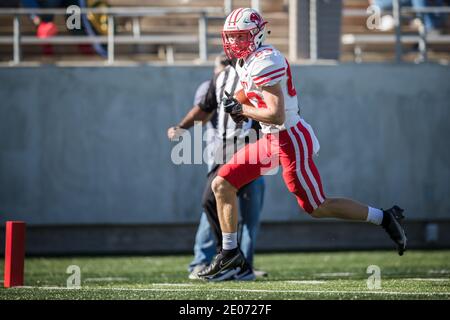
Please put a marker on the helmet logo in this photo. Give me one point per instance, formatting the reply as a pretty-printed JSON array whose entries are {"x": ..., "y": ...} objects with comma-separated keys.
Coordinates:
[{"x": 254, "y": 17}]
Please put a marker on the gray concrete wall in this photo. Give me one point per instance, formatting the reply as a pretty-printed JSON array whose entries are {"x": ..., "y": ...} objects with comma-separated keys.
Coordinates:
[
  {"x": 179, "y": 238},
  {"x": 88, "y": 145}
]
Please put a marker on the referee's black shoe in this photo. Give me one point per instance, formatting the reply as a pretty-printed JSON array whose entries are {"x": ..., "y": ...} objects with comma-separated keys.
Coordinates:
[
  {"x": 224, "y": 267},
  {"x": 245, "y": 274},
  {"x": 392, "y": 223}
]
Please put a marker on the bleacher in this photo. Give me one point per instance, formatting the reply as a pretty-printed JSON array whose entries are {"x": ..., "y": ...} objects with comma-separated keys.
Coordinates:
[
  {"x": 359, "y": 43},
  {"x": 181, "y": 25}
]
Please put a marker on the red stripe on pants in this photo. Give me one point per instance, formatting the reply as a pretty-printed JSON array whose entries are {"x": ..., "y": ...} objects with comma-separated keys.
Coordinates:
[
  {"x": 312, "y": 165},
  {"x": 306, "y": 153},
  {"x": 294, "y": 170}
]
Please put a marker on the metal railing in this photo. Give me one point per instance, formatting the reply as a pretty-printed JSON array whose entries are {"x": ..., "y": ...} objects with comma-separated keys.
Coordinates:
[
  {"x": 422, "y": 39},
  {"x": 17, "y": 40},
  {"x": 168, "y": 41}
]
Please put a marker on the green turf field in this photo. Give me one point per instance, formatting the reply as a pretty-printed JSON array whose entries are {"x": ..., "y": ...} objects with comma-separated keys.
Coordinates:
[{"x": 342, "y": 275}]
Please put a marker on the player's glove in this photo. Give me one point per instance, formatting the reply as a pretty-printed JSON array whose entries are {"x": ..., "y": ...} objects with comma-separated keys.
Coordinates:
[
  {"x": 233, "y": 108},
  {"x": 238, "y": 118}
]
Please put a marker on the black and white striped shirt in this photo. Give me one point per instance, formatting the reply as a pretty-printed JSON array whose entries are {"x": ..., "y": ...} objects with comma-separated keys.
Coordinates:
[{"x": 228, "y": 133}]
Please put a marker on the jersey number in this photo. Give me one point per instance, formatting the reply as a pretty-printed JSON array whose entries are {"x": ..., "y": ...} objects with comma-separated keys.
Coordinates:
[{"x": 290, "y": 88}]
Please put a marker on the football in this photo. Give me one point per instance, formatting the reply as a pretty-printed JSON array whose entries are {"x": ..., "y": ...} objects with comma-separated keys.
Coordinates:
[{"x": 242, "y": 98}]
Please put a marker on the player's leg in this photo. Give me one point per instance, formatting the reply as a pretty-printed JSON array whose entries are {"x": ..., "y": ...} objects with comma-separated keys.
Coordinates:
[
  {"x": 348, "y": 209},
  {"x": 245, "y": 166},
  {"x": 303, "y": 179},
  {"x": 210, "y": 206},
  {"x": 227, "y": 210},
  {"x": 341, "y": 208},
  {"x": 390, "y": 220},
  {"x": 299, "y": 173},
  {"x": 228, "y": 262}
]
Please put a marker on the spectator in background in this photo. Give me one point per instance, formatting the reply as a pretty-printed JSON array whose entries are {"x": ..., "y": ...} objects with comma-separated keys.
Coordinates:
[
  {"x": 45, "y": 27},
  {"x": 44, "y": 23},
  {"x": 433, "y": 22}
]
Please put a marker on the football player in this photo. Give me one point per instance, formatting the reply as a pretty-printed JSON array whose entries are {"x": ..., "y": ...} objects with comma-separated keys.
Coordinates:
[{"x": 288, "y": 140}]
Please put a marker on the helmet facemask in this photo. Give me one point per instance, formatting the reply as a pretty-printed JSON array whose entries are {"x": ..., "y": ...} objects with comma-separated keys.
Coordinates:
[{"x": 238, "y": 44}]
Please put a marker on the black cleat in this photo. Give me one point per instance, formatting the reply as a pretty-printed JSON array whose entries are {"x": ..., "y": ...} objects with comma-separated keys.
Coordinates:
[
  {"x": 392, "y": 223},
  {"x": 223, "y": 268}
]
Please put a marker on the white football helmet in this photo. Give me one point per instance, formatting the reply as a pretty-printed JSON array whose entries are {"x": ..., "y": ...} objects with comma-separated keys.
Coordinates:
[{"x": 244, "y": 32}]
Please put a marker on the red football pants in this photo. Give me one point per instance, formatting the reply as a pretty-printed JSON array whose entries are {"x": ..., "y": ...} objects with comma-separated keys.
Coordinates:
[{"x": 293, "y": 149}]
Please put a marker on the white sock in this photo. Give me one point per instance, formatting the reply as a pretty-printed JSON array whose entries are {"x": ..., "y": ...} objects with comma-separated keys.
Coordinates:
[
  {"x": 375, "y": 216},
  {"x": 229, "y": 241}
]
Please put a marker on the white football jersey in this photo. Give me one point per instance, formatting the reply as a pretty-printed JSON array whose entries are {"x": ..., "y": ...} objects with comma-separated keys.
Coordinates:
[{"x": 266, "y": 67}]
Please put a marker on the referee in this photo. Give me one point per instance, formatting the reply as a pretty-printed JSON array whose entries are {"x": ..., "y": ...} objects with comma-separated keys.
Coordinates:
[{"x": 229, "y": 137}]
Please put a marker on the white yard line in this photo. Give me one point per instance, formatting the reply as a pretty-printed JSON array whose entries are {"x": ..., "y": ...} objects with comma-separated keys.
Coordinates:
[
  {"x": 174, "y": 284},
  {"x": 428, "y": 279},
  {"x": 246, "y": 290},
  {"x": 335, "y": 274},
  {"x": 306, "y": 282},
  {"x": 105, "y": 279},
  {"x": 442, "y": 271}
]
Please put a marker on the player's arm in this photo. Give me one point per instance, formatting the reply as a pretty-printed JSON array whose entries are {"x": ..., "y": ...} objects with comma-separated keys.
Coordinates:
[
  {"x": 274, "y": 113},
  {"x": 267, "y": 73}
]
